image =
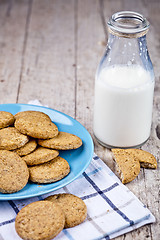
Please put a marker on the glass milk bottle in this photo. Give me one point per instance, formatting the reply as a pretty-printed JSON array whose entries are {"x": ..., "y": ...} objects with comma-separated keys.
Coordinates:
[{"x": 124, "y": 84}]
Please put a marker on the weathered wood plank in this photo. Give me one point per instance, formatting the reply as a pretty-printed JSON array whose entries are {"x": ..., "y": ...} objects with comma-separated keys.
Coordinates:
[
  {"x": 90, "y": 38},
  {"x": 48, "y": 69},
  {"x": 13, "y": 17},
  {"x": 152, "y": 179}
]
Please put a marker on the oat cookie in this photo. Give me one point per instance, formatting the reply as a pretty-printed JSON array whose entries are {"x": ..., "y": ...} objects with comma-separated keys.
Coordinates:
[
  {"x": 11, "y": 138},
  {"x": 127, "y": 165},
  {"x": 27, "y": 148},
  {"x": 49, "y": 172},
  {"x": 40, "y": 155},
  {"x": 74, "y": 208},
  {"x": 36, "y": 127},
  {"x": 14, "y": 173},
  {"x": 33, "y": 114},
  {"x": 63, "y": 141},
  {"x": 146, "y": 159},
  {"x": 42, "y": 220},
  {"x": 6, "y": 119}
]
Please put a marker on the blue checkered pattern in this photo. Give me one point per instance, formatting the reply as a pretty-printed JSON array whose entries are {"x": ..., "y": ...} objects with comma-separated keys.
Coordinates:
[{"x": 112, "y": 208}]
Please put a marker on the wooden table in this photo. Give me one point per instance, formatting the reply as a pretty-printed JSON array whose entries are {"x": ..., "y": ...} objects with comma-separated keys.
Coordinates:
[{"x": 49, "y": 50}]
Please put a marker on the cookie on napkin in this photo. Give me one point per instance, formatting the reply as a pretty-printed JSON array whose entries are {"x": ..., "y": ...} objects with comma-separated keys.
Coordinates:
[
  {"x": 146, "y": 159},
  {"x": 127, "y": 165},
  {"x": 74, "y": 208},
  {"x": 42, "y": 220}
]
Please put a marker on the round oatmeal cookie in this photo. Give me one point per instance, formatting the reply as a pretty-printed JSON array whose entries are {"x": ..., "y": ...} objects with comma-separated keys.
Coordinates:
[
  {"x": 14, "y": 173},
  {"x": 42, "y": 220},
  {"x": 63, "y": 141},
  {"x": 74, "y": 208},
  {"x": 36, "y": 127},
  {"x": 33, "y": 114},
  {"x": 40, "y": 155},
  {"x": 49, "y": 172},
  {"x": 6, "y": 119},
  {"x": 11, "y": 138},
  {"x": 27, "y": 148}
]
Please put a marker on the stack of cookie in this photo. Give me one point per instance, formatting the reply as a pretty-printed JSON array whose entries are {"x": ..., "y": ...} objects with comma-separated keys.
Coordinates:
[
  {"x": 46, "y": 219},
  {"x": 33, "y": 141}
]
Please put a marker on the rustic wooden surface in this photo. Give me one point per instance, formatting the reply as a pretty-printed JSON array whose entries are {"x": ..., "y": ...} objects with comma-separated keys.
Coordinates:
[{"x": 49, "y": 50}]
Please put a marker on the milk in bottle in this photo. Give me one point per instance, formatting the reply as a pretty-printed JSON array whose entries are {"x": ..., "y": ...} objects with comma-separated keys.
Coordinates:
[{"x": 124, "y": 85}]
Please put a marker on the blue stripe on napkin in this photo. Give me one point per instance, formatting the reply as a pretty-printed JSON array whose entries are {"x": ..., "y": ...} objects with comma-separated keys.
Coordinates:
[{"x": 108, "y": 200}]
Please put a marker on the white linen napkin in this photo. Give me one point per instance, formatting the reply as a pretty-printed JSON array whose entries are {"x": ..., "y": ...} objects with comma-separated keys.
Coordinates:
[{"x": 112, "y": 208}]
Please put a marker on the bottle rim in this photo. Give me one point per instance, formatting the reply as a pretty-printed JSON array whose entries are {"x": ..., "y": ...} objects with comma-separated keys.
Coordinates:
[{"x": 128, "y": 22}]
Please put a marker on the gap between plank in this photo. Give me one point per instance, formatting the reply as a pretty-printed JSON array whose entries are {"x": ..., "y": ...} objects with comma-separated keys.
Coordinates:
[
  {"x": 10, "y": 4},
  {"x": 75, "y": 49},
  {"x": 24, "y": 45},
  {"x": 101, "y": 4}
]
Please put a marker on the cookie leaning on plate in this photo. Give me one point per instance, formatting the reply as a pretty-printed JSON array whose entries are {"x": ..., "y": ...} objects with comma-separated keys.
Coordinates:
[
  {"x": 74, "y": 208},
  {"x": 127, "y": 165},
  {"x": 11, "y": 138},
  {"x": 14, "y": 173},
  {"x": 27, "y": 148},
  {"x": 40, "y": 155},
  {"x": 49, "y": 172},
  {"x": 42, "y": 220},
  {"x": 63, "y": 141},
  {"x": 36, "y": 126},
  {"x": 6, "y": 119},
  {"x": 25, "y": 114}
]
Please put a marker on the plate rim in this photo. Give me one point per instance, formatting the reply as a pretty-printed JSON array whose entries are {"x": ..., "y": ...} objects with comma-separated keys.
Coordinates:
[{"x": 69, "y": 181}]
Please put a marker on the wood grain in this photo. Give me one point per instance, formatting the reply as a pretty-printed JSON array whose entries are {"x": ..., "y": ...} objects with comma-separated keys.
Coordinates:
[
  {"x": 48, "y": 70},
  {"x": 90, "y": 39},
  {"x": 12, "y": 38}
]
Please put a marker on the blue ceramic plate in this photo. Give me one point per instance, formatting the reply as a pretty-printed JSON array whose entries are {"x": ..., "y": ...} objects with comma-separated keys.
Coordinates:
[{"x": 78, "y": 159}]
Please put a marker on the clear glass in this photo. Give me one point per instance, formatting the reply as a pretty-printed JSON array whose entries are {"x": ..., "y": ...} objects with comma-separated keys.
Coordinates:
[{"x": 124, "y": 84}]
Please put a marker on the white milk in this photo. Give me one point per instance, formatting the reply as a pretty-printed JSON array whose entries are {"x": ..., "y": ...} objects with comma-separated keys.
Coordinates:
[{"x": 123, "y": 105}]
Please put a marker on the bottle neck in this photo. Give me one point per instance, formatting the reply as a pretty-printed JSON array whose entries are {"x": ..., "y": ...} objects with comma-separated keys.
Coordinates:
[
  {"x": 127, "y": 51},
  {"x": 127, "y": 45}
]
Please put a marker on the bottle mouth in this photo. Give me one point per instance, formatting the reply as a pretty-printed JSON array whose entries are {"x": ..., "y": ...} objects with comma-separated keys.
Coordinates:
[{"x": 127, "y": 22}]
